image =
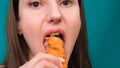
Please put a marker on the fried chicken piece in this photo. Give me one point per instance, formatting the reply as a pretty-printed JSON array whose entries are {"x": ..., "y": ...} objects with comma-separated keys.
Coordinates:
[{"x": 55, "y": 47}]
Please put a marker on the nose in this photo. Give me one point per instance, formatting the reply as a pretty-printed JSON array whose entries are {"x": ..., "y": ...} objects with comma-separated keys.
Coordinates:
[{"x": 54, "y": 15}]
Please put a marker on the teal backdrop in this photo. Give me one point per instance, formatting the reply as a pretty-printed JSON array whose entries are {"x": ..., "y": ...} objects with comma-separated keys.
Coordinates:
[
  {"x": 3, "y": 15},
  {"x": 103, "y": 27}
]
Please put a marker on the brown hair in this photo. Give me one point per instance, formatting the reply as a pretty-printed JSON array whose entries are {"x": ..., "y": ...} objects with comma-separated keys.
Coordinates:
[{"x": 17, "y": 51}]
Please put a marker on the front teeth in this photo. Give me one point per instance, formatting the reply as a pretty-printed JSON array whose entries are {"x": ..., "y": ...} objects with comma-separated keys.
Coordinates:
[{"x": 55, "y": 33}]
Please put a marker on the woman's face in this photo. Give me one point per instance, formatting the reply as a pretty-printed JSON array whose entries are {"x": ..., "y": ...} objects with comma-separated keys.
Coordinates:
[{"x": 38, "y": 18}]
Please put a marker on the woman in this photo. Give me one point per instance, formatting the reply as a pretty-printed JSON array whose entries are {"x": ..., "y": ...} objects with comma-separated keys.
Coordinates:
[{"x": 29, "y": 21}]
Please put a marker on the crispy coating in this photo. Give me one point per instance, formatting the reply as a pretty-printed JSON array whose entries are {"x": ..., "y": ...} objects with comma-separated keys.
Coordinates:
[{"x": 55, "y": 47}]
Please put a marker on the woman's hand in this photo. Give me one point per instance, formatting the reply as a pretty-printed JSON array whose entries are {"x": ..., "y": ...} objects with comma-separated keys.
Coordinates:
[{"x": 43, "y": 60}]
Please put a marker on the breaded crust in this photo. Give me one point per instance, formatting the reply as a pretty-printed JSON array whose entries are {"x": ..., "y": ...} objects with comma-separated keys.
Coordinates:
[{"x": 56, "y": 47}]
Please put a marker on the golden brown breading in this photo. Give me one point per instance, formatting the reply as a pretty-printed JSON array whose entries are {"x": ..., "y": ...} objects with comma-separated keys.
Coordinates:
[{"x": 55, "y": 47}]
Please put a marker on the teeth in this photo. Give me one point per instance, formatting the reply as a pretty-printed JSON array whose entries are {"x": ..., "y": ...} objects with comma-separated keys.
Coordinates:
[
  {"x": 46, "y": 43},
  {"x": 56, "y": 33}
]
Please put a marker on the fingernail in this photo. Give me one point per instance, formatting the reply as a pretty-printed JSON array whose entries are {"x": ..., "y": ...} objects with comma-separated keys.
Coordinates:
[{"x": 62, "y": 59}]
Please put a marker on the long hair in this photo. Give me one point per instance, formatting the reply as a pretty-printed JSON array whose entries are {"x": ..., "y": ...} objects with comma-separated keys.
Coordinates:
[{"x": 18, "y": 51}]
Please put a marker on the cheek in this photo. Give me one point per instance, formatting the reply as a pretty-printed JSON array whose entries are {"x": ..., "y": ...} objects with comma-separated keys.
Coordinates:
[
  {"x": 30, "y": 22},
  {"x": 28, "y": 27},
  {"x": 76, "y": 27},
  {"x": 73, "y": 29},
  {"x": 74, "y": 20},
  {"x": 74, "y": 23},
  {"x": 72, "y": 35},
  {"x": 31, "y": 31}
]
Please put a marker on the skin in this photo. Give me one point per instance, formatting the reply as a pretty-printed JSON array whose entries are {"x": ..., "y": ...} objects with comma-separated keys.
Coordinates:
[{"x": 48, "y": 16}]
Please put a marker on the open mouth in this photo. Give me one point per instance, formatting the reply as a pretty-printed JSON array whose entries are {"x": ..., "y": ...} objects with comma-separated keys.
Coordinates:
[{"x": 55, "y": 34}]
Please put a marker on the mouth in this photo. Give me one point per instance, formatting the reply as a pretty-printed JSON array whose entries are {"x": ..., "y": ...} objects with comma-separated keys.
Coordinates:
[{"x": 55, "y": 34}]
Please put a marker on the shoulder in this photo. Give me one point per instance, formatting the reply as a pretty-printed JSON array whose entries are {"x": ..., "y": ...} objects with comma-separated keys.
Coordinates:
[{"x": 1, "y": 66}]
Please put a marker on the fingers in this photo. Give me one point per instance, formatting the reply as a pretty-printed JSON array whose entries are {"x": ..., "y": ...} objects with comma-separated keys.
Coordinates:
[
  {"x": 42, "y": 56},
  {"x": 45, "y": 64},
  {"x": 42, "y": 64},
  {"x": 41, "y": 59}
]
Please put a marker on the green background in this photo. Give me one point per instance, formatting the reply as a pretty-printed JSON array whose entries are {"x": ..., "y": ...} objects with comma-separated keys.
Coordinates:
[{"x": 103, "y": 24}]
